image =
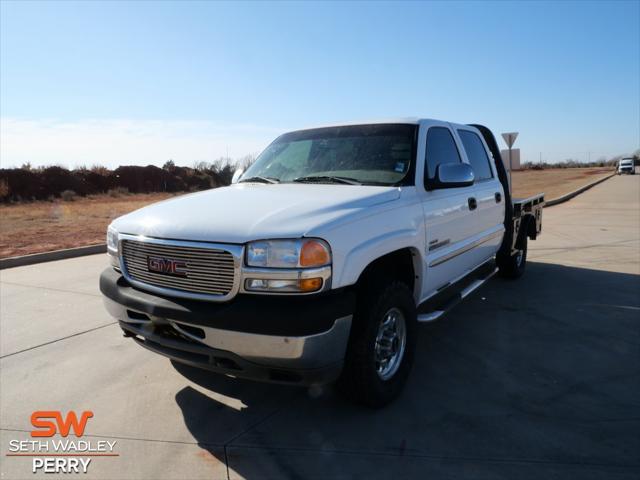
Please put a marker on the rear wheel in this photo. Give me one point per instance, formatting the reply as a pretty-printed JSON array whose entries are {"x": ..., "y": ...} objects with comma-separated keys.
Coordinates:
[
  {"x": 513, "y": 266},
  {"x": 381, "y": 347}
]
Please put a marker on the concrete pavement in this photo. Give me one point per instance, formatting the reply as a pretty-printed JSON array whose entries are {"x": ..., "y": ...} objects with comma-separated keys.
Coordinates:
[{"x": 538, "y": 378}]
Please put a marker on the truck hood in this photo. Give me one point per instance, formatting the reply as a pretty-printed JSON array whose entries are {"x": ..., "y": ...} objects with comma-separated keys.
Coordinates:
[{"x": 245, "y": 212}]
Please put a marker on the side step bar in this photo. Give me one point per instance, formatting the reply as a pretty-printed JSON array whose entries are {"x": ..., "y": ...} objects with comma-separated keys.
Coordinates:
[{"x": 455, "y": 299}]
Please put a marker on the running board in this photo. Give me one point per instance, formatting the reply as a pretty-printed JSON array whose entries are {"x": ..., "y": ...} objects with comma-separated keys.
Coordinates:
[
  {"x": 464, "y": 293},
  {"x": 431, "y": 316}
]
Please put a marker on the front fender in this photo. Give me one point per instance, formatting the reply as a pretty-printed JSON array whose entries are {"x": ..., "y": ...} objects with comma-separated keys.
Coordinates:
[
  {"x": 358, "y": 240},
  {"x": 372, "y": 249}
]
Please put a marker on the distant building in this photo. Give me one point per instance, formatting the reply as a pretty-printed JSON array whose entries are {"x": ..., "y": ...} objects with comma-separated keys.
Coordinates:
[{"x": 515, "y": 158}]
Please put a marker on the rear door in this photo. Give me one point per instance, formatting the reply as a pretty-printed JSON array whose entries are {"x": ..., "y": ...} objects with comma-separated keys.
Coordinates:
[
  {"x": 450, "y": 223},
  {"x": 487, "y": 191}
]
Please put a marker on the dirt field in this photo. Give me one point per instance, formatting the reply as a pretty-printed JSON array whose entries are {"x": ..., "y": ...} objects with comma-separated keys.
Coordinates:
[
  {"x": 44, "y": 226},
  {"x": 555, "y": 182}
]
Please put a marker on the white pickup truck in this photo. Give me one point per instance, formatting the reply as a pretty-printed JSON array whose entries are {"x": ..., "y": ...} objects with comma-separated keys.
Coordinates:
[{"x": 318, "y": 263}]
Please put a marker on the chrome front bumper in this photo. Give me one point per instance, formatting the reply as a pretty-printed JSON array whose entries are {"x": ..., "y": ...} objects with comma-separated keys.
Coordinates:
[{"x": 309, "y": 359}]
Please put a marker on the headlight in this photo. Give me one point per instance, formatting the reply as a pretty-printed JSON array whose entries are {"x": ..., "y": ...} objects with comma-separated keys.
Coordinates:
[
  {"x": 288, "y": 266},
  {"x": 305, "y": 253},
  {"x": 112, "y": 247},
  {"x": 112, "y": 239}
]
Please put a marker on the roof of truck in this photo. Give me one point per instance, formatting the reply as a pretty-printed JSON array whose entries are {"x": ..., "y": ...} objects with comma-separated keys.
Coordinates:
[
  {"x": 409, "y": 120},
  {"x": 390, "y": 120}
]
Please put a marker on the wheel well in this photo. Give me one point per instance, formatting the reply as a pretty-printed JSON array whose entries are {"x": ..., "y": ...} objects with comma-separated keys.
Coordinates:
[{"x": 397, "y": 265}]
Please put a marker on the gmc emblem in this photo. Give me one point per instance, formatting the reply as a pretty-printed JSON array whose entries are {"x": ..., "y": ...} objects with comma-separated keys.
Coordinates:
[{"x": 168, "y": 266}]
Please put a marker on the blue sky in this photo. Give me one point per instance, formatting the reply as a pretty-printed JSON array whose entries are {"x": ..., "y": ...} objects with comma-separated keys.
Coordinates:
[{"x": 141, "y": 82}]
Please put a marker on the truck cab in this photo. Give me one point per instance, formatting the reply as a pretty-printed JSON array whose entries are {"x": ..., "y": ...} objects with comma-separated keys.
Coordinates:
[
  {"x": 626, "y": 166},
  {"x": 318, "y": 263}
]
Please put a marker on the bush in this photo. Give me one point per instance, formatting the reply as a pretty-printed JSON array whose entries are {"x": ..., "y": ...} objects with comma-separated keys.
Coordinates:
[
  {"x": 41, "y": 183},
  {"x": 68, "y": 195},
  {"x": 58, "y": 179},
  {"x": 4, "y": 189},
  {"x": 118, "y": 192}
]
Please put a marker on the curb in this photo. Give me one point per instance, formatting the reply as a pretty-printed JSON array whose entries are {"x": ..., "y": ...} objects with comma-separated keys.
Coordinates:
[
  {"x": 569, "y": 196},
  {"x": 51, "y": 256}
]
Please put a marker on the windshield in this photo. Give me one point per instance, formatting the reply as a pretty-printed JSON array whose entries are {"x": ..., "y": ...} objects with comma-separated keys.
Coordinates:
[{"x": 360, "y": 154}]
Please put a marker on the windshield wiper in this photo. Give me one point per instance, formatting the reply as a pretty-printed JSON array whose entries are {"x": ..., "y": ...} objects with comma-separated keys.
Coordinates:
[
  {"x": 260, "y": 180},
  {"x": 327, "y": 179}
]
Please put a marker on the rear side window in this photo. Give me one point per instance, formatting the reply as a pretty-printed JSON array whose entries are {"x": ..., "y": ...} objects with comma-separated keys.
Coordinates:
[
  {"x": 441, "y": 148},
  {"x": 476, "y": 154}
]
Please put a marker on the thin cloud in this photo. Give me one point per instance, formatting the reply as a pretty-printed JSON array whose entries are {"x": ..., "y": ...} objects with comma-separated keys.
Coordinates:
[{"x": 125, "y": 142}]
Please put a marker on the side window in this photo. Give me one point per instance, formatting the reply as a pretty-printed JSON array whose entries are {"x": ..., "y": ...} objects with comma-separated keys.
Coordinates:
[
  {"x": 441, "y": 148},
  {"x": 476, "y": 154}
]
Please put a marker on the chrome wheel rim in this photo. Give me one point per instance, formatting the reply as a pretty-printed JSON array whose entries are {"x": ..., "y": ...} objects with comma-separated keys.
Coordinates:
[{"x": 391, "y": 340}]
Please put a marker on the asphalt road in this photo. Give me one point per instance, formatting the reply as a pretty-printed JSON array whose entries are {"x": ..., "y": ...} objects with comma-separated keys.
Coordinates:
[{"x": 538, "y": 378}]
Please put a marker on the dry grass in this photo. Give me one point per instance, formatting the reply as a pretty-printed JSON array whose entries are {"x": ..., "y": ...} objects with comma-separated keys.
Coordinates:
[
  {"x": 555, "y": 182},
  {"x": 43, "y": 226}
]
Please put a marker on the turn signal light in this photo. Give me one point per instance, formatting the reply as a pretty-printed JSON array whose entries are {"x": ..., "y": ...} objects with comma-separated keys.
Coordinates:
[
  {"x": 310, "y": 284},
  {"x": 314, "y": 254},
  {"x": 302, "y": 285}
]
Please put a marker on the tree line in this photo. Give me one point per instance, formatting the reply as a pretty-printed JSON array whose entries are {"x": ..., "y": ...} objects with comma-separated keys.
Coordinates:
[{"x": 46, "y": 183}]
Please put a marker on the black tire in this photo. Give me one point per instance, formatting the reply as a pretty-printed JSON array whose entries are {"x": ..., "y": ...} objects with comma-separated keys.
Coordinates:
[
  {"x": 360, "y": 380},
  {"x": 513, "y": 266}
]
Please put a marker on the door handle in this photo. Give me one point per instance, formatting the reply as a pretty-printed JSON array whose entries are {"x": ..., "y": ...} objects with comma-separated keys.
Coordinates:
[
  {"x": 498, "y": 197},
  {"x": 473, "y": 204}
]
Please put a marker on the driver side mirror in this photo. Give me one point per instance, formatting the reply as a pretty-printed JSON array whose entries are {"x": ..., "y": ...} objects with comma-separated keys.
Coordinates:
[{"x": 452, "y": 175}]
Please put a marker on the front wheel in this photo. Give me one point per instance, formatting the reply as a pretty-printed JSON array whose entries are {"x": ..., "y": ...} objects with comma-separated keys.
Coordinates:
[
  {"x": 381, "y": 347},
  {"x": 513, "y": 266}
]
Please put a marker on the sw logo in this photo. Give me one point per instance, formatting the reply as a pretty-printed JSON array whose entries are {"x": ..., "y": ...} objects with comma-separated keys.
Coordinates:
[
  {"x": 60, "y": 455},
  {"x": 41, "y": 420}
]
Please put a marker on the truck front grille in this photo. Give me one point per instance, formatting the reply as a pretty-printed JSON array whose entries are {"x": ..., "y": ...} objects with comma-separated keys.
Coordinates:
[{"x": 202, "y": 271}]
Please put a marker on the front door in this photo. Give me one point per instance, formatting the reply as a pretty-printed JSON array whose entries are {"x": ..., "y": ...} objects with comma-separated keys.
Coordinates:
[{"x": 450, "y": 216}]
